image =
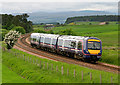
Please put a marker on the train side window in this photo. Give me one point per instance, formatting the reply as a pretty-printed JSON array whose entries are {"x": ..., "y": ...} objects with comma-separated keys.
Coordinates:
[
  {"x": 47, "y": 40},
  {"x": 41, "y": 40},
  {"x": 60, "y": 42},
  {"x": 34, "y": 39},
  {"x": 73, "y": 44},
  {"x": 37, "y": 39},
  {"x": 67, "y": 43},
  {"x": 54, "y": 42},
  {"x": 79, "y": 45}
]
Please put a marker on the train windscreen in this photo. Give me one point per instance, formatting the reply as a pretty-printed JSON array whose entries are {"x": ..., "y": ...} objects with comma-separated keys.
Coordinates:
[{"x": 92, "y": 45}]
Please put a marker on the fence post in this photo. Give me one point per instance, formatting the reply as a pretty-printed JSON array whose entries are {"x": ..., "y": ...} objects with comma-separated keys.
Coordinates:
[
  {"x": 15, "y": 54},
  {"x": 90, "y": 76},
  {"x": 82, "y": 75},
  {"x": 56, "y": 68},
  {"x": 40, "y": 64},
  {"x": 36, "y": 61},
  {"x": 43, "y": 65},
  {"x": 52, "y": 67},
  {"x": 3, "y": 48},
  {"x": 30, "y": 60},
  {"x": 111, "y": 80},
  {"x": 74, "y": 73},
  {"x": 62, "y": 70},
  {"x": 100, "y": 79},
  {"x": 23, "y": 57},
  {"x": 47, "y": 65},
  {"x": 33, "y": 61},
  {"x": 67, "y": 71}
]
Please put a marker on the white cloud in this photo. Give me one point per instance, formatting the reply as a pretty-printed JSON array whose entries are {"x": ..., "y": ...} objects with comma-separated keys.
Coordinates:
[
  {"x": 17, "y": 7},
  {"x": 59, "y": 0}
]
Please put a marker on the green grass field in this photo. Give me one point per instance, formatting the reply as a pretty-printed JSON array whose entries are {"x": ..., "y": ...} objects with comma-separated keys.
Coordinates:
[
  {"x": 36, "y": 74},
  {"x": 96, "y": 31},
  {"x": 8, "y": 76}
]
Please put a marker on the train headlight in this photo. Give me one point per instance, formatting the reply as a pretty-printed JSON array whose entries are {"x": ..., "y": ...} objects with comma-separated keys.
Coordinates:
[{"x": 87, "y": 51}]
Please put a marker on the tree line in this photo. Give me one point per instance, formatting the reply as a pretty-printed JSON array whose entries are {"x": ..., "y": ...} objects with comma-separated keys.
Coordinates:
[
  {"x": 9, "y": 22},
  {"x": 100, "y": 18}
]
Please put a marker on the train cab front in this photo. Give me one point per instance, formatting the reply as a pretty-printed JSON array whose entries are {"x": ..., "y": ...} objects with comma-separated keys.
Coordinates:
[{"x": 93, "y": 50}]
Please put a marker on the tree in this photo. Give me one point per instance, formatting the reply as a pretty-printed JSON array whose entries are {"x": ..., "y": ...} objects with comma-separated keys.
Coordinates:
[
  {"x": 11, "y": 38},
  {"x": 8, "y": 21}
]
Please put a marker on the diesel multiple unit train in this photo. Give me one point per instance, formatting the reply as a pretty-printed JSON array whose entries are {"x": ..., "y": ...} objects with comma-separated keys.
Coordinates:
[{"x": 87, "y": 48}]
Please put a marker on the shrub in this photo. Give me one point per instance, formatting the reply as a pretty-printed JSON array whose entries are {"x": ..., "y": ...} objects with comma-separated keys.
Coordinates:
[
  {"x": 39, "y": 31},
  {"x": 11, "y": 27},
  {"x": 20, "y": 29},
  {"x": 66, "y": 32},
  {"x": 10, "y": 38},
  {"x": 50, "y": 32},
  {"x": 3, "y": 33}
]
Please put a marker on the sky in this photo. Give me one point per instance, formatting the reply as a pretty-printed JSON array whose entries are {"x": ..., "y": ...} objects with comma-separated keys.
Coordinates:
[{"x": 23, "y": 6}]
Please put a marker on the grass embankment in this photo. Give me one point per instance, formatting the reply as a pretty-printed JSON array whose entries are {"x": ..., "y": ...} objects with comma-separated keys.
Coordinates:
[
  {"x": 8, "y": 76},
  {"x": 34, "y": 73}
]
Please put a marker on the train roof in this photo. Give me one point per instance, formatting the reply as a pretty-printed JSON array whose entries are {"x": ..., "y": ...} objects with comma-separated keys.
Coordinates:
[
  {"x": 62, "y": 36},
  {"x": 73, "y": 37},
  {"x": 45, "y": 35}
]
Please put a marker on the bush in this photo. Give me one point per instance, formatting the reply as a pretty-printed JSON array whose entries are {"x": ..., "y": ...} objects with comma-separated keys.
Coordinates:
[
  {"x": 11, "y": 27},
  {"x": 66, "y": 32},
  {"x": 39, "y": 31},
  {"x": 11, "y": 38},
  {"x": 3, "y": 33},
  {"x": 50, "y": 32},
  {"x": 20, "y": 29}
]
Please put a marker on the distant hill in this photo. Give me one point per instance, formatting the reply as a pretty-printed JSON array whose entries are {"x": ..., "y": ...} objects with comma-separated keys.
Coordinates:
[
  {"x": 47, "y": 17},
  {"x": 99, "y": 18}
]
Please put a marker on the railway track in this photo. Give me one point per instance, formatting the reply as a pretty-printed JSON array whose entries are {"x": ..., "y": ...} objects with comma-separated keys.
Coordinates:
[{"x": 24, "y": 44}]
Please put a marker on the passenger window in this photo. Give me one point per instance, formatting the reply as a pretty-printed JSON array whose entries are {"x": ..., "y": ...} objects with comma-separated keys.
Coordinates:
[
  {"x": 47, "y": 40},
  {"x": 53, "y": 41},
  {"x": 34, "y": 39},
  {"x": 73, "y": 44},
  {"x": 79, "y": 45},
  {"x": 60, "y": 42},
  {"x": 41, "y": 40}
]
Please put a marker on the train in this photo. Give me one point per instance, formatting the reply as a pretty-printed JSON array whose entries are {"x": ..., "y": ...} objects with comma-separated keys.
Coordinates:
[{"x": 80, "y": 47}]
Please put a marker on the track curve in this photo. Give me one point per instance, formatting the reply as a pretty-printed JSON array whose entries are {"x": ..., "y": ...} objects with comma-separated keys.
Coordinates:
[{"x": 24, "y": 44}]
